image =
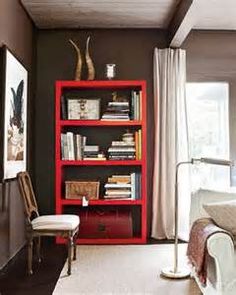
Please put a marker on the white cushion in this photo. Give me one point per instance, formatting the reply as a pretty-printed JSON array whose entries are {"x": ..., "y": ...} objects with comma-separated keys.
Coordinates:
[
  {"x": 224, "y": 214},
  {"x": 56, "y": 222}
]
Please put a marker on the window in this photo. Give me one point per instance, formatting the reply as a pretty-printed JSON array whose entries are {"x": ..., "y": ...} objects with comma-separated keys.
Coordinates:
[{"x": 208, "y": 123}]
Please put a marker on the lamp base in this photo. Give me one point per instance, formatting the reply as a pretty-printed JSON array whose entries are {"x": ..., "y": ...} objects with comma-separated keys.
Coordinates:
[{"x": 181, "y": 273}]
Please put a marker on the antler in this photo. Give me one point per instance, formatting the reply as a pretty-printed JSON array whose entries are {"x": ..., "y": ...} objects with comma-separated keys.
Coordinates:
[
  {"x": 89, "y": 62},
  {"x": 79, "y": 61}
]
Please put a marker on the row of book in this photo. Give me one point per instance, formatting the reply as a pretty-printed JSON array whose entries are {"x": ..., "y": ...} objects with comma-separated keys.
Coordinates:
[
  {"x": 136, "y": 105},
  {"x": 74, "y": 147},
  {"x": 124, "y": 187}
]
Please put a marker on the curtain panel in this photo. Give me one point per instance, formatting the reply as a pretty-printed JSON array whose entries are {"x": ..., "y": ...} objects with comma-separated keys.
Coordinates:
[{"x": 171, "y": 143}]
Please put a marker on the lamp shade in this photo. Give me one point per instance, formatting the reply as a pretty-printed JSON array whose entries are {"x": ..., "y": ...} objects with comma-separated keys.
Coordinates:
[{"x": 213, "y": 161}]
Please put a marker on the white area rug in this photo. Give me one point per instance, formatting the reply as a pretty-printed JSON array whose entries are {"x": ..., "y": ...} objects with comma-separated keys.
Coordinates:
[{"x": 132, "y": 269}]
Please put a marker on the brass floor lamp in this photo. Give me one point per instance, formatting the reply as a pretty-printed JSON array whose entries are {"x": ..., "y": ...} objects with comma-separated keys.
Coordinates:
[{"x": 176, "y": 272}]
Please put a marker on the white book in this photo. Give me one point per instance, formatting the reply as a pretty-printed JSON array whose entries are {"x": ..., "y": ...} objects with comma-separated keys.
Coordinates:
[
  {"x": 117, "y": 185},
  {"x": 117, "y": 193},
  {"x": 70, "y": 144},
  {"x": 133, "y": 192},
  {"x": 122, "y": 143},
  {"x": 91, "y": 148},
  {"x": 121, "y": 149},
  {"x": 118, "y": 103},
  {"x": 78, "y": 144}
]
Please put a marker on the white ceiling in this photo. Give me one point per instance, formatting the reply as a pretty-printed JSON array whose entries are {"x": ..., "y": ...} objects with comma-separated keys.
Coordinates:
[
  {"x": 101, "y": 13},
  {"x": 215, "y": 14},
  {"x": 178, "y": 16}
]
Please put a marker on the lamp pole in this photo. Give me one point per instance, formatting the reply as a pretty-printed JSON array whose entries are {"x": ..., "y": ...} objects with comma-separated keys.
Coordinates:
[
  {"x": 184, "y": 272},
  {"x": 176, "y": 272}
]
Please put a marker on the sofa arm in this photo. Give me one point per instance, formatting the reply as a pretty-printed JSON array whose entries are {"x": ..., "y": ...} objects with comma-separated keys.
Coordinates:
[{"x": 220, "y": 246}]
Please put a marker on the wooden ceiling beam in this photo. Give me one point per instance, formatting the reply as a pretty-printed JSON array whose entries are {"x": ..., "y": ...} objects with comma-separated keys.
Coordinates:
[{"x": 182, "y": 22}]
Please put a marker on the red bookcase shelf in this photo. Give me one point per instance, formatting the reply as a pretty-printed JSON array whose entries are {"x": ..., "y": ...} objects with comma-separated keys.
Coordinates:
[
  {"x": 102, "y": 169},
  {"x": 101, "y": 163},
  {"x": 99, "y": 123},
  {"x": 102, "y": 202}
]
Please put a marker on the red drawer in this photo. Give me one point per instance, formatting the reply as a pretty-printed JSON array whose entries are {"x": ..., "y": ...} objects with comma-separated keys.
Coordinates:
[{"x": 95, "y": 223}]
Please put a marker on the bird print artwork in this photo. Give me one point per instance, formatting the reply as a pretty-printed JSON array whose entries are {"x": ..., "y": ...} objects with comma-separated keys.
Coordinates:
[{"x": 16, "y": 125}]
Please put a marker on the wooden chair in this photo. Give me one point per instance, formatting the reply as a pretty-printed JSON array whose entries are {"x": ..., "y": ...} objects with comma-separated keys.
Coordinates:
[{"x": 66, "y": 226}]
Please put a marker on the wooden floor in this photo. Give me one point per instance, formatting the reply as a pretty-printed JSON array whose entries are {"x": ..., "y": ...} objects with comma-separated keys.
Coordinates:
[{"x": 15, "y": 281}]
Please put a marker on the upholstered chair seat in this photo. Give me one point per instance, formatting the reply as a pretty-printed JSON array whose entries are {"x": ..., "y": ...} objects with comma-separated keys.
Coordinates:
[{"x": 55, "y": 222}]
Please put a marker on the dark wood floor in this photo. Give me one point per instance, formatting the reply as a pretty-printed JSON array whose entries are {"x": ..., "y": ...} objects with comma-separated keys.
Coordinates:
[{"x": 15, "y": 281}]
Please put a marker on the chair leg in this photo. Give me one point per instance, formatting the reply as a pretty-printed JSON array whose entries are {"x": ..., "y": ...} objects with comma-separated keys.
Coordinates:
[
  {"x": 75, "y": 246},
  {"x": 70, "y": 245},
  {"x": 30, "y": 255},
  {"x": 38, "y": 249}
]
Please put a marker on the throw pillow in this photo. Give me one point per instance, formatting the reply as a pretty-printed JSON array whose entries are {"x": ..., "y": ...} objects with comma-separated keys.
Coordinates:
[{"x": 223, "y": 214}]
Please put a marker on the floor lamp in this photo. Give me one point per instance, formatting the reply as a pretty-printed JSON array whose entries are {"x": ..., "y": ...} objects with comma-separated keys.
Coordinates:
[{"x": 176, "y": 272}]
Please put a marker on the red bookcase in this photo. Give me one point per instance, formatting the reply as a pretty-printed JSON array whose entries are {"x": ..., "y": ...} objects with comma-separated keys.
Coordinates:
[{"x": 102, "y": 132}]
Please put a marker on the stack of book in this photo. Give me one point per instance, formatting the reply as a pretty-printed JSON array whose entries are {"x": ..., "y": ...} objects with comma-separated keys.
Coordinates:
[
  {"x": 117, "y": 110},
  {"x": 122, "y": 150},
  {"x": 91, "y": 152},
  {"x": 73, "y": 147},
  {"x": 126, "y": 187}
]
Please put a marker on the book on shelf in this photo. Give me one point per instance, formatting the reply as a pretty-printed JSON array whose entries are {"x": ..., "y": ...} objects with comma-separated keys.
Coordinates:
[
  {"x": 138, "y": 144},
  {"x": 119, "y": 179},
  {"x": 122, "y": 143},
  {"x": 117, "y": 185},
  {"x": 95, "y": 159},
  {"x": 63, "y": 108},
  {"x": 118, "y": 192}
]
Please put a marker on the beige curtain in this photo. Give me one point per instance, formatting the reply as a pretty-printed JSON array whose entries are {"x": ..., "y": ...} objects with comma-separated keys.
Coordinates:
[{"x": 171, "y": 143}]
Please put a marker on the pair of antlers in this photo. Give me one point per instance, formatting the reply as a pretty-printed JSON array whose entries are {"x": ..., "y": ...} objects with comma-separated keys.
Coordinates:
[{"x": 89, "y": 62}]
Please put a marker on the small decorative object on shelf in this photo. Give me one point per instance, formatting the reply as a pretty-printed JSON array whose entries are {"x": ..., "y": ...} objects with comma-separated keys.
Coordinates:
[
  {"x": 79, "y": 61},
  {"x": 89, "y": 62},
  {"x": 110, "y": 71},
  {"x": 128, "y": 137},
  {"x": 102, "y": 160},
  {"x": 83, "y": 109}
]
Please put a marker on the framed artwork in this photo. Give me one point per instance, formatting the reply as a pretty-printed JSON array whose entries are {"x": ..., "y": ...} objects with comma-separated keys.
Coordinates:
[{"x": 14, "y": 110}]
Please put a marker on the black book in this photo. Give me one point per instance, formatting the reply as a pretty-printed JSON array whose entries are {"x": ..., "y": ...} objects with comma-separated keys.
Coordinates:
[{"x": 63, "y": 108}]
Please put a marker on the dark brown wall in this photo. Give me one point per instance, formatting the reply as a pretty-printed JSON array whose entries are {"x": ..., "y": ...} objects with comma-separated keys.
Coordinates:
[
  {"x": 211, "y": 56},
  {"x": 130, "y": 50},
  {"x": 16, "y": 31}
]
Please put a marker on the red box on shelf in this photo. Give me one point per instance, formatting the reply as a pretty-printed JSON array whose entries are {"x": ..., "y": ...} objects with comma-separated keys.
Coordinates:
[{"x": 99, "y": 223}]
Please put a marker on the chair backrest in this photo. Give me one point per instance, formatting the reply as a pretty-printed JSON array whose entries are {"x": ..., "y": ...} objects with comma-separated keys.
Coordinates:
[{"x": 27, "y": 193}]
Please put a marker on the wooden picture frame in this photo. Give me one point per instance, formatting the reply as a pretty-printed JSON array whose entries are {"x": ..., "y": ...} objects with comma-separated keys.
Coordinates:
[{"x": 14, "y": 92}]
